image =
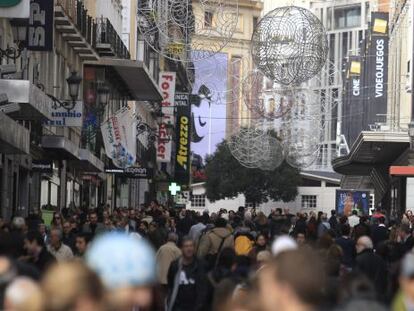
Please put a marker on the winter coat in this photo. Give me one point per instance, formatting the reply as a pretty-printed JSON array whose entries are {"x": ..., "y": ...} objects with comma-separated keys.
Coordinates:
[
  {"x": 167, "y": 253},
  {"x": 211, "y": 241}
]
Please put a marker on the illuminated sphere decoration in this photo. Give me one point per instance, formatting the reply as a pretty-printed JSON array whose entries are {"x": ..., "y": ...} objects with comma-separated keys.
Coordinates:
[
  {"x": 289, "y": 45},
  {"x": 268, "y": 104}
]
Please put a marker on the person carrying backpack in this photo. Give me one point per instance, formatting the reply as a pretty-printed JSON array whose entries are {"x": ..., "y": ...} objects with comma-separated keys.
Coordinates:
[{"x": 214, "y": 241}]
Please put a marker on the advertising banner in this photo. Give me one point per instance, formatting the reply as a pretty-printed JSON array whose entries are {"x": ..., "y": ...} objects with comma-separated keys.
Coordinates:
[
  {"x": 183, "y": 139},
  {"x": 63, "y": 117},
  {"x": 377, "y": 69},
  {"x": 349, "y": 200},
  {"x": 119, "y": 140},
  {"x": 39, "y": 34},
  {"x": 353, "y": 108},
  {"x": 164, "y": 144}
]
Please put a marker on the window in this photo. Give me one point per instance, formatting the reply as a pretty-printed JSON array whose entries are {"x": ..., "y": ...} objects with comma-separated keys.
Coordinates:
[
  {"x": 347, "y": 17},
  {"x": 309, "y": 201},
  {"x": 255, "y": 22},
  {"x": 208, "y": 19},
  {"x": 198, "y": 200}
]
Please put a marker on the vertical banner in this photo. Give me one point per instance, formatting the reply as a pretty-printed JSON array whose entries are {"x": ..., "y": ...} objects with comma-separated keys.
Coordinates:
[
  {"x": 40, "y": 30},
  {"x": 119, "y": 140},
  {"x": 353, "y": 108},
  {"x": 164, "y": 143},
  {"x": 377, "y": 69},
  {"x": 183, "y": 139}
]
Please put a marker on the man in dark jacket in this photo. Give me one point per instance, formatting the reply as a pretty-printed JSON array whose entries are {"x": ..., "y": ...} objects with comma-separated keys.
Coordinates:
[
  {"x": 36, "y": 249},
  {"x": 187, "y": 281},
  {"x": 347, "y": 245},
  {"x": 371, "y": 265},
  {"x": 379, "y": 232},
  {"x": 406, "y": 238}
]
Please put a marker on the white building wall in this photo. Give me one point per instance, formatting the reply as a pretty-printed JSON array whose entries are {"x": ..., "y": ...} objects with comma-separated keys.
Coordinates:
[
  {"x": 326, "y": 197},
  {"x": 111, "y": 9}
]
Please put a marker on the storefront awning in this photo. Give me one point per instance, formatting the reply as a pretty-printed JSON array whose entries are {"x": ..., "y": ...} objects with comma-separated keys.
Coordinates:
[
  {"x": 135, "y": 76},
  {"x": 59, "y": 147},
  {"x": 371, "y": 150},
  {"x": 34, "y": 103},
  {"x": 14, "y": 138},
  {"x": 89, "y": 162}
]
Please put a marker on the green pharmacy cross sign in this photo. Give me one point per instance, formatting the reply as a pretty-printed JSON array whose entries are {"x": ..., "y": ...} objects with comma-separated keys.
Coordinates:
[
  {"x": 174, "y": 188},
  {"x": 9, "y": 3}
]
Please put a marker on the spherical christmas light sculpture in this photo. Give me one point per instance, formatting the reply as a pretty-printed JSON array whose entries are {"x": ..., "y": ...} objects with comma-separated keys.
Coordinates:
[
  {"x": 247, "y": 146},
  {"x": 267, "y": 103},
  {"x": 174, "y": 28},
  {"x": 273, "y": 156},
  {"x": 289, "y": 45}
]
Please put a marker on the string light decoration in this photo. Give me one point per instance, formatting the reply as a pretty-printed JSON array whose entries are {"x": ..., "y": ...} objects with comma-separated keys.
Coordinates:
[
  {"x": 273, "y": 157},
  {"x": 289, "y": 45},
  {"x": 247, "y": 146},
  {"x": 267, "y": 102},
  {"x": 174, "y": 28},
  {"x": 256, "y": 147}
]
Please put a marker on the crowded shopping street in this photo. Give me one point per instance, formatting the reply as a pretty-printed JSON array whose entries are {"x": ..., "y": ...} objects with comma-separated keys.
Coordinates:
[{"x": 206, "y": 155}]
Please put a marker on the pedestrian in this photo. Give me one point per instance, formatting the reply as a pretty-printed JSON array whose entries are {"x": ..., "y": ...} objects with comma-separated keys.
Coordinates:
[
  {"x": 197, "y": 229},
  {"x": 371, "y": 265},
  {"x": 404, "y": 300},
  {"x": 93, "y": 227},
  {"x": 187, "y": 282},
  {"x": 348, "y": 246},
  {"x": 38, "y": 254},
  {"x": 353, "y": 220},
  {"x": 406, "y": 239},
  {"x": 379, "y": 232},
  {"x": 68, "y": 238},
  {"x": 324, "y": 225},
  {"x": 214, "y": 241},
  {"x": 73, "y": 286},
  {"x": 282, "y": 289},
  {"x": 56, "y": 247},
  {"x": 81, "y": 245},
  {"x": 166, "y": 254}
]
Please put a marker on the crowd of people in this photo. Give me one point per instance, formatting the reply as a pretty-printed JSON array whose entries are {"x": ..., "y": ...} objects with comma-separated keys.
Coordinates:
[{"x": 159, "y": 258}]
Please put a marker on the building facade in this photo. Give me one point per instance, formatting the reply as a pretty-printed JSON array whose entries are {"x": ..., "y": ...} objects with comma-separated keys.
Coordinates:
[{"x": 57, "y": 87}]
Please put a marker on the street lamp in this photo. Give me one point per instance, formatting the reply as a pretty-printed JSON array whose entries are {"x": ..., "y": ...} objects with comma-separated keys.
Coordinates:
[
  {"x": 19, "y": 30},
  {"x": 103, "y": 94},
  {"x": 74, "y": 82}
]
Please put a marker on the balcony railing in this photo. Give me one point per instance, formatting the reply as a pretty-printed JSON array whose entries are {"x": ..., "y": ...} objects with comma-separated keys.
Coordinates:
[
  {"x": 109, "y": 42},
  {"x": 78, "y": 15}
]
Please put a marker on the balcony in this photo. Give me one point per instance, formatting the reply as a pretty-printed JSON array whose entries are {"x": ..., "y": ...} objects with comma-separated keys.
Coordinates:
[
  {"x": 109, "y": 43},
  {"x": 77, "y": 28},
  {"x": 32, "y": 103}
]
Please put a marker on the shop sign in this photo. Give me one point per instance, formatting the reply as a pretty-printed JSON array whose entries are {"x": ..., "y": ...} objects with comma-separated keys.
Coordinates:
[
  {"x": 39, "y": 34},
  {"x": 43, "y": 166},
  {"x": 183, "y": 139},
  {"x": 15, "y": 8},
  {"x": 132, "y": 172},
  {"x": 164, "y": 143},
  {"x": 63, "y": 117}
]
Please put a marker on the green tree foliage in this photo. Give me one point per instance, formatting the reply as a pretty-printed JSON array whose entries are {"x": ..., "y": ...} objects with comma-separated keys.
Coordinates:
[{"x": 227, "y": 178}]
